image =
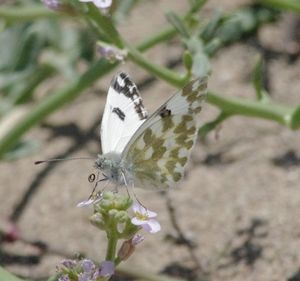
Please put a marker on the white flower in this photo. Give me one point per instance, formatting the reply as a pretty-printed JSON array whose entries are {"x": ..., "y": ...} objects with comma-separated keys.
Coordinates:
[
  {"x": 101, "y": 4},
  {"x": 145, "y": 218},
  {"x": 52, "y": 4},
  {"x": 93, "y": 199}
]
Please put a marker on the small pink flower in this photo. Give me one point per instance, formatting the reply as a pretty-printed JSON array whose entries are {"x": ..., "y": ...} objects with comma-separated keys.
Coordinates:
[
  {"x": 111, "y": 53},
  {"x": 84, "y": 270},
  {"x": 92, "y": 200},
  {"x": 145, "y": 218},
  {"x": 52, "y": 4},
  {"x": 69, "y": 264},
  {"x": 101, "y": 4},
  {"x": 85, "y": 202},
  {"x": 64, "y": 278},
  {"x": 88, "y": 266},
  {"x": 106, "y": 269},
  {"x": 137, "y": 239},
  {"x": 9, "y": 231}
]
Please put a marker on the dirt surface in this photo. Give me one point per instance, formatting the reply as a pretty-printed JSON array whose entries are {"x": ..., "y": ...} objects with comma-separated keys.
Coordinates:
[{"x": 239, "y": 204}]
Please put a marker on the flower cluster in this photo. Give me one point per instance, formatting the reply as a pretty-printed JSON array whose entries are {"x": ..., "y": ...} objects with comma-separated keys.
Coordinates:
[
  {"x": 110, "y": 205},
  {"x": 85, "y": 270},
  {"x": 121, "y": 219}
]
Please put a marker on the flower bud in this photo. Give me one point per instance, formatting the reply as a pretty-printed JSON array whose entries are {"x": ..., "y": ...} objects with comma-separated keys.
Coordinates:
[
  {"x": 122, "y": 216},
  {"x": 126, "y": 250},
  {"x": 187, "y": 60},
  {"x": 9, "y": 231},
  {"x": 128, "y": 246},
  {"x": 113, "y": 213},
  {"x": 111, "y": 53},
  {"x": 97, "y": 220}
]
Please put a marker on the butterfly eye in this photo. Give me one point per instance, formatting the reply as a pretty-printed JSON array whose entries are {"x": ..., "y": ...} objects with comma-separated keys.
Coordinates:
[{"x": 91, "y": 177}]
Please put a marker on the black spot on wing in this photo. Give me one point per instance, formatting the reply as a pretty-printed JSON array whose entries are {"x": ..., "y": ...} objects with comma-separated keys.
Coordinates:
[
  {"x": 123, "y": 85},
  {"x": 119, "y": 112},
  {"x": 164, "y": 112}
]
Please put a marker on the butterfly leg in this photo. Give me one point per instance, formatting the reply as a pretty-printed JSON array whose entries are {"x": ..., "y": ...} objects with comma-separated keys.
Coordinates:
[
  {"x": 137, "y": 199},
  {"x": 132, "y": 189},
  {"x": 126, "y": 183},
  {"x": 98, "y": 194}
]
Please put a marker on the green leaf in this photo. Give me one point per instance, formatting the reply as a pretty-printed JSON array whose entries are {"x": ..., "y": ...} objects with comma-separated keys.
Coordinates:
[
  {"x": 288, "y": 5},
  {"x": 210, "y": 29},
  {"x": 123, "y": 9},
  {"x": 201, "y": 64},
  {"x": 187, "y": 60},
  {"x": 257, "y": 77},
  {"x": 22, "y": 149},
  {"x": 178, "y": 24},
  {"x": 105, "y": 24},
  {"x": 243, "y": 21},
  {"x": 295, "y": 119},
  {"x": 196, "y": 5},
  {"x": 7, "y": 276},
  {"x": 258, "y": 74}
]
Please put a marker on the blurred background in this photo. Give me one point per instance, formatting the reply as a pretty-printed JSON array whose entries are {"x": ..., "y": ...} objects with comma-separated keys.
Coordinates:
[{"x": 236, "y": 214}]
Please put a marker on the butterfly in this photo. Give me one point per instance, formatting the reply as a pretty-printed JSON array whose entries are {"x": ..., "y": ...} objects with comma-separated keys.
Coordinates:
[{"x": 148, "y": 151}]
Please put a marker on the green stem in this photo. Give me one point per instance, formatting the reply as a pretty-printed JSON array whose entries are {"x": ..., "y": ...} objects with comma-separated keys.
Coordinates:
[
  {"x": 238, "y": 106},
  {"x": 169, "y": 32},
  {"x": 289, "y": 5},
  {"x": 20, "y": 14},
  {"x": 163, "y": 73},
  {"x": 212, "y": 125},
  {"x": 54, "y": 101},
  {"x": 42, "y": 72},
  {"x": 112, "y": 245},
  {"x": 105, "y": 24},
  {"x": 59, "y": 98},
  {"x": 5, "y": 275},
  {"x": 163, "y": 35},
  {"x": 196, "y": 6}
]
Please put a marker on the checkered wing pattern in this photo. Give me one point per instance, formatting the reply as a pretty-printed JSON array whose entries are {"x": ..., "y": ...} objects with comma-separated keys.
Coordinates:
[
  {"x": 159, "y": 150},
  {"x": 124, "y": 113}
]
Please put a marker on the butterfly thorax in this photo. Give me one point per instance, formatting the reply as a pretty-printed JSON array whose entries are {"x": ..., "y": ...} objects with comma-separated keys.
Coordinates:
[{"x": 113, "y": 167}]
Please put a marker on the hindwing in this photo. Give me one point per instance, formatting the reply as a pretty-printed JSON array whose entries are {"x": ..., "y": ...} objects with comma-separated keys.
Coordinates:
[{"x": 159, "y": 150}]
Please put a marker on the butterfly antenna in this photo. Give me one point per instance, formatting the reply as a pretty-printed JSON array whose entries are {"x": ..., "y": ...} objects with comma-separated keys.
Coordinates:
[{"x": 61, "y": 159}]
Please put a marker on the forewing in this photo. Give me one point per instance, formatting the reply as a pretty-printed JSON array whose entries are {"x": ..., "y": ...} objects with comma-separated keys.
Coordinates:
[
  {"x": 124, "y": 113},
  {"x": 159, "y": 150}
]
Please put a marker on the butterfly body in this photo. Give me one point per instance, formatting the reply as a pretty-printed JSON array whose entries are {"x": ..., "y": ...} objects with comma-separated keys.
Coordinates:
[
  {"x": 114, "y": 168},
  {"x": 148, "y": 151}
]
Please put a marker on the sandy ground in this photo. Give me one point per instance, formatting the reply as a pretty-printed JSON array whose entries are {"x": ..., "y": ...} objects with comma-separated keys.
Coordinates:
[{"x": 239, "y": 203}]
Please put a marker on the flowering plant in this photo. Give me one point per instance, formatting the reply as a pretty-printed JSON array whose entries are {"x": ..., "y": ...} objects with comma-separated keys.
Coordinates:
[
  {"x": 42, "y": 50},
  {"x": 122, "y": 220}
]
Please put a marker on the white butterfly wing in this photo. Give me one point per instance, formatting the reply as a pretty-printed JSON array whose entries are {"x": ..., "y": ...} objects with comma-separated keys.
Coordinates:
[
  {"x": 158, "y": 151},
  {"x": 124, "y": 113}
]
